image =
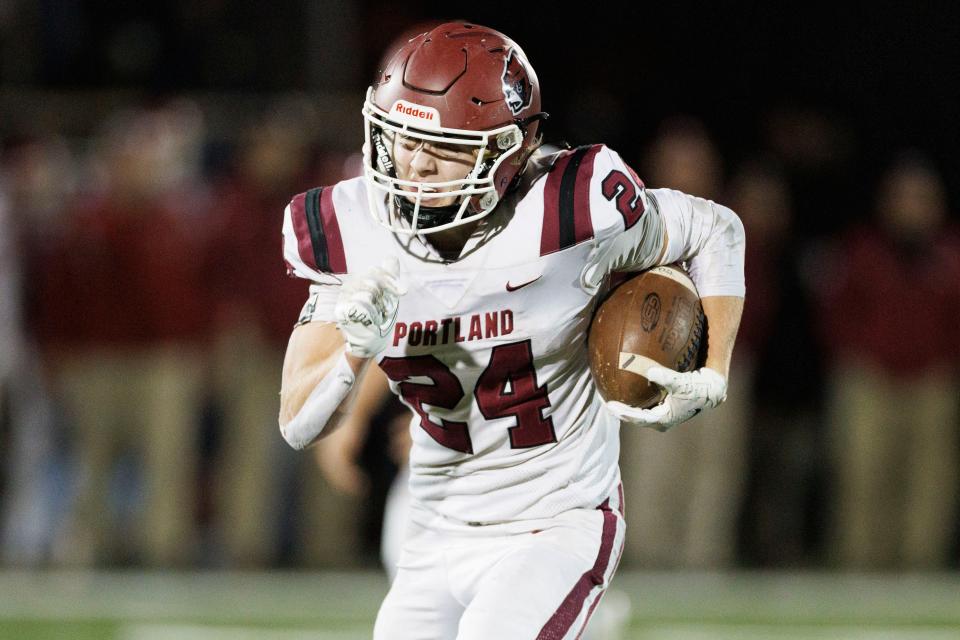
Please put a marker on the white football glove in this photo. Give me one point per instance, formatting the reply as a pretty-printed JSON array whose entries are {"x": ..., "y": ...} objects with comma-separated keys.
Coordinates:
[
  {"x": 367, "y": 309},
  {"x": 687, "y": 395}
]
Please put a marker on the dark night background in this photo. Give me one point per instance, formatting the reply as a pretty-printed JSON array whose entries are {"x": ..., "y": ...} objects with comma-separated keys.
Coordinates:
[{"x": 885, "y": 75}]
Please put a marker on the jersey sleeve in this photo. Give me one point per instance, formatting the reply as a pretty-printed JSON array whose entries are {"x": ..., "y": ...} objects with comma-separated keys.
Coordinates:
[
  {"x": 320, "y": 304},
  {"x": 312, "y": 243},
  {"x": 629, "y": 232},
  {"x": 313, "y": 250},
  {"x": 638, "y": 228}
]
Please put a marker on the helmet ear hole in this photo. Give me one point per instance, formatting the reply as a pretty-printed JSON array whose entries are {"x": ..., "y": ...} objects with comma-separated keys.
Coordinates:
[
  {"x": 489, "y": 200},
  {"x": 509, "y": 138}
]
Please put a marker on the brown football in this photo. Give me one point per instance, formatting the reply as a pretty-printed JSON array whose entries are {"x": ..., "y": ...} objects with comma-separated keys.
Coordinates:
[{"x": 652, "y": 318}]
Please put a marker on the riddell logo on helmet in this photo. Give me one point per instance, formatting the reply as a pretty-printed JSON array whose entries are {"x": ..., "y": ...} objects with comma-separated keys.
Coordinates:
[
  {"x": 416, "y": 113},
  {"x": 412, "y": 111}
]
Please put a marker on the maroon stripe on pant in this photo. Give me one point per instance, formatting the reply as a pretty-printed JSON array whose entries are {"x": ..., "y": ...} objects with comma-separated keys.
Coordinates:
[
  {"x": 298, "y": 214},
  {"x": 563, "y": 618},
  {"x": 331, "y": 229},
  {"x": 596, "y": 600}
]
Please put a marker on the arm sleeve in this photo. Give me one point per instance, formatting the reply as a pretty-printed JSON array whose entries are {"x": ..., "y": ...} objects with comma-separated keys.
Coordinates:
[
  {"x": 321, "y": 404},
  {"x": 708, "y": 236}
]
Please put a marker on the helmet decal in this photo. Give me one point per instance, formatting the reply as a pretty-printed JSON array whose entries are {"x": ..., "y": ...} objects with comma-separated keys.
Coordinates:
[
  {"x": 516, "y": 84},
  {"x": 384, "y": 161},
  {"x": 415, "y": 114}
]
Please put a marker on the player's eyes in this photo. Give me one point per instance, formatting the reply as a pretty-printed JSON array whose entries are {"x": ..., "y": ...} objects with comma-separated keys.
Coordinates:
[
  {"x": 408, "y": 143},
  {"x": 456, "y": 152},
  {"x": 443, "y": 151}
]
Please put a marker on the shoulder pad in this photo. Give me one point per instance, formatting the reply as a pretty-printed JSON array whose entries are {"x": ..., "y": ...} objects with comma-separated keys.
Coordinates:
[
  {"x": 313, "y": 222},
  {"x": 566, "y": 200}
]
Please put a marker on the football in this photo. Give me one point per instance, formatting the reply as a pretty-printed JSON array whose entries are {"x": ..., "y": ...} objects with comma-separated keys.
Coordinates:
[{"x": 652, "y": 318}]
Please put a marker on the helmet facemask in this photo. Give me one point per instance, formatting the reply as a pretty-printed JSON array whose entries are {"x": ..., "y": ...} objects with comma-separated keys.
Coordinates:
[{"x": 408, "y": 209}]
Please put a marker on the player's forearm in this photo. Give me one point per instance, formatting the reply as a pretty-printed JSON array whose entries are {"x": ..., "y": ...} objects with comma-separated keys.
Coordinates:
[
  {"x": 337, "y": 454},
  {"x": 318, "y": 383},
  {"x": 299, "y": 383},
  {"x": 351, "y": 422},
  {"x": 371, "y": 390},
  {"x": 723, "y": 320},
  {"x": 321, "y": 400},
  {"x": 713, "y": 236}
]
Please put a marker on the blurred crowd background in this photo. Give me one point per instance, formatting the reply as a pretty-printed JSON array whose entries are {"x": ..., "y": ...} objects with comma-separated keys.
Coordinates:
[{"x": 147, "y": 151}]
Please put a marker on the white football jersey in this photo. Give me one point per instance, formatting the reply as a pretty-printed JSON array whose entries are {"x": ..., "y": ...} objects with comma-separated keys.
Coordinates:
[{"x": 490, "y": 351}]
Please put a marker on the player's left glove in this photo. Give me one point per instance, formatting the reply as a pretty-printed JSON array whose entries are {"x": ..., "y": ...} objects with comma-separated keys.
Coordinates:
[{"x": 687, "y": 395}]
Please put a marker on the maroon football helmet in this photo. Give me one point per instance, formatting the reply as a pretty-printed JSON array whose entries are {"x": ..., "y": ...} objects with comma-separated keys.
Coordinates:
[{"x": 457, "y": 84}]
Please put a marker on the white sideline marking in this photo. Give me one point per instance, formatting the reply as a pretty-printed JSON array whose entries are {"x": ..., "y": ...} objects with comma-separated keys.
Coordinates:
[
  {"x": 791, "y": 632},
  {"x": 203, "y": 632},
  {"x": 231, "y": 597}
]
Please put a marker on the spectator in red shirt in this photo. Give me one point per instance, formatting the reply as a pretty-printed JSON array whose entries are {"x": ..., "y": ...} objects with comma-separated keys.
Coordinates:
[
  {"x": 121, "y": 314},
  {"x": 255, "y": 305},
  {"x": 29, "y": 170},
  {"x": 891, "y": 320}
]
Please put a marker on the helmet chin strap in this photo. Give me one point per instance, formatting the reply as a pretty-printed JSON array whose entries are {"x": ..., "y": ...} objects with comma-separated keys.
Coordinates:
[{"x": 429, "y": 217}]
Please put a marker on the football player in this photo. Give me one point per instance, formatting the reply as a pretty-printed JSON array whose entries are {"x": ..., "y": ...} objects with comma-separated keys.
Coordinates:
[{"x": 467, "y": 265}]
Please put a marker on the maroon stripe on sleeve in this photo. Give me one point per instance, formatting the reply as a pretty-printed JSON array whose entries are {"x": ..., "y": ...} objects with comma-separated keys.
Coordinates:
[
  {"x": 559, "y": 624},
  {"x": 636, "y": 177},
  {"x": 582, "y": 222},
  {"x": 298, "y": 214},
  {"x": 550, "y": 236},
  {"x": 331, "y": 228}
]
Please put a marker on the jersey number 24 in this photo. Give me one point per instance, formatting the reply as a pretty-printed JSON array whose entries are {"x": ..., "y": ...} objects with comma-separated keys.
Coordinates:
[{"x": 506, "y": 388}]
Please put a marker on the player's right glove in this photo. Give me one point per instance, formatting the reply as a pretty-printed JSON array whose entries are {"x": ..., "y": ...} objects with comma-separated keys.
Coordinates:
[
  {"x": 367, "y": 309},
  {"x": 687, "y": 395}
]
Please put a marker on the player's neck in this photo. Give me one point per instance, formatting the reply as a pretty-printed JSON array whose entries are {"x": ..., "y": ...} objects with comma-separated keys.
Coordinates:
[{"x": 449, "y": 243}]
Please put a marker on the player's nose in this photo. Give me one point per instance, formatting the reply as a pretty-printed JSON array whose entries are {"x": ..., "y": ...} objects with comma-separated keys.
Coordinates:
[{"x": 423, "y": 162}]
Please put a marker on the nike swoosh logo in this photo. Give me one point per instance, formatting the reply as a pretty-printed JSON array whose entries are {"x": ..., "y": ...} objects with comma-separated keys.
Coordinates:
[{"x": 510, "y": 287}]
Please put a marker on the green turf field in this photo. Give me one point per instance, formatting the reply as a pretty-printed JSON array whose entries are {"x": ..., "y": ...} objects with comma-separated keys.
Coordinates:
[{"x": 341, "y": 606}]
